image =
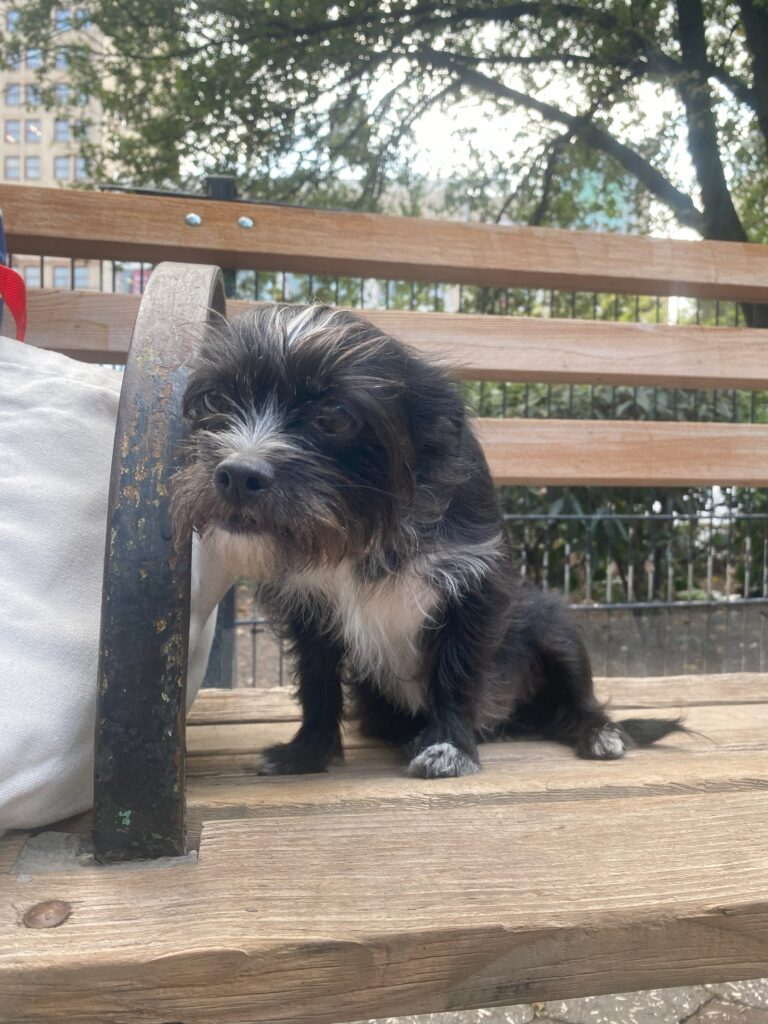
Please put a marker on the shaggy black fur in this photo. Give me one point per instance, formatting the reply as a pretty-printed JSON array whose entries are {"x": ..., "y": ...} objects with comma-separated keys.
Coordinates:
[{"x": 338, "y": 469}]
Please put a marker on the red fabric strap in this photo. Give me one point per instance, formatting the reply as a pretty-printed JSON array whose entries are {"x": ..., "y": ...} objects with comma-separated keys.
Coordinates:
[{"x": 14, "y": 293}]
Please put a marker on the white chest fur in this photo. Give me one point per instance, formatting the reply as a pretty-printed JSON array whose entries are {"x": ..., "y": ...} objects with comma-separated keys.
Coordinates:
[{"x": 380, "y": 623}]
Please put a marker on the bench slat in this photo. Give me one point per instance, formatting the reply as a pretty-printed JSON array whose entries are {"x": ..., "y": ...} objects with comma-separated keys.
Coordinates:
[
  {"x": 624, "y": 453},
  {"x": 740, "y": 725},
  {"x": 97, "y": 327},
  {"x": 277, "y": 704},
  {"x": 342, "y": 916},
  {"x": 361, "y": 893},
  {"x": 152, "y": 228}
]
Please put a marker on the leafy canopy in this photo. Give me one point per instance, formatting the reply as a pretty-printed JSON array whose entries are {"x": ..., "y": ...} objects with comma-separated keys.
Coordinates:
[{"x": 320, "y": 102}]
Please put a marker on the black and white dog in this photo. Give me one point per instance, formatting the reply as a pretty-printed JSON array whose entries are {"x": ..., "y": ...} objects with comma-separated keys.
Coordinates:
[{"x": 337, "y": 469}]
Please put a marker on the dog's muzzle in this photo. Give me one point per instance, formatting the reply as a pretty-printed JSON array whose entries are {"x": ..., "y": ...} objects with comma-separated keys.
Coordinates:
[{"x": 240, "y": 481}]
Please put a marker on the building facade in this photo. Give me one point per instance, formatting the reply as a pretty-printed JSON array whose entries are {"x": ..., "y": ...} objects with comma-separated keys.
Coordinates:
[{"x": 40, "y": 144}]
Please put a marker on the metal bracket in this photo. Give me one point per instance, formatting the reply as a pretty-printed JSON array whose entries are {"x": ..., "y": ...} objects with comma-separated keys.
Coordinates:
[{"x": 139, "y": 800}]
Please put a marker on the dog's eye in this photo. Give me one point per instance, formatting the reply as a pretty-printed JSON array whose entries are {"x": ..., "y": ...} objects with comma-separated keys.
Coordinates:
[
  {"x": 213, "y": 401},
  {"x": 334, "y": 419}
]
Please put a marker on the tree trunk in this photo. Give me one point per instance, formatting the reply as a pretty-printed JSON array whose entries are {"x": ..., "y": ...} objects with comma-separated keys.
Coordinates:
[
  {"x": 721, "y": 221},
  {"x": 754, "y": 17}
]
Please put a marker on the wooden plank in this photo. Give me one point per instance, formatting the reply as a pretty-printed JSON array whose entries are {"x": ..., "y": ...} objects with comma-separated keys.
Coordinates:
[
  {"x": 96, "y": 327},
  {"x": 499, "y": 348},
  {"x": 325, "y": 918},
  {"x": 745, "y": 725},
  {"x": 623, "y": 453},
  {"x": 151, "y": 228},
  {"x": 684, "y": 691},
  {"x": 377, "y": 781},
  {"x": 213, "y": 707}
]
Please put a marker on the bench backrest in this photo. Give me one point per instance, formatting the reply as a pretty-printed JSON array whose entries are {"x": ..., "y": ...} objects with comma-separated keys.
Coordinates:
[{"x": 97, "y": 326}]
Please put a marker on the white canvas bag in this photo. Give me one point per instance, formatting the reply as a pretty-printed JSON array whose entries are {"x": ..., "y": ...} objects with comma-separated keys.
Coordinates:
[{"x": 57, "y": 423}]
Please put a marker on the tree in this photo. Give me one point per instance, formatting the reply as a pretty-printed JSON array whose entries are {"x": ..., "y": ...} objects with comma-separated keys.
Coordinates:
[
  {"x": 322, "y": 103},
  {"x": 293, "y": 97}
]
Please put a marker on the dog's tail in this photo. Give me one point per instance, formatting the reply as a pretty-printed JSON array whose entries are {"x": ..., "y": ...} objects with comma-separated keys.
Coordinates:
[{"x": 645, "y": 731}]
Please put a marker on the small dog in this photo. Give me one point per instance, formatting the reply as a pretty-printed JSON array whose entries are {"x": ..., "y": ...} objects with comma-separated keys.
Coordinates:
[{"x": 337, "y": 469}]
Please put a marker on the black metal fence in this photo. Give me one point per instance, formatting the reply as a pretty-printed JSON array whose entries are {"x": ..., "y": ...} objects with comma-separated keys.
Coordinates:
[{"x": 664, "y": 580}]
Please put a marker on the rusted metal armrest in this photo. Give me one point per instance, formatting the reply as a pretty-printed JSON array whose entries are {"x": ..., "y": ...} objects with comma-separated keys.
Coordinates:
[{"x": 139, "y": 800}]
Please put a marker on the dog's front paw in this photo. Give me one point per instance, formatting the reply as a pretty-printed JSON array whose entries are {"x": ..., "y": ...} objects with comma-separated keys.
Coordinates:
[
  {"x": 442, "y": 761},
  {"x": 291, "y": 759}
]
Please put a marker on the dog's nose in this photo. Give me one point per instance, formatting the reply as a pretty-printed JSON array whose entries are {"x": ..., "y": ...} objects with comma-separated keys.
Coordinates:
[{"x": 241, "y": 480}]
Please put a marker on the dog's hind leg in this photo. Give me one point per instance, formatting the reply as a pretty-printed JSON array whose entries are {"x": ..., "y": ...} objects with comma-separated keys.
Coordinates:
[
  {"x": 566, "y": 709},
  {"x": 561, "y": 704},
  {"x": 559, "y": 701}
]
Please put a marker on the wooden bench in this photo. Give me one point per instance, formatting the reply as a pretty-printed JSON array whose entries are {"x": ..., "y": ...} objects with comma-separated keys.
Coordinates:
[{"x": 361, "y": 893}]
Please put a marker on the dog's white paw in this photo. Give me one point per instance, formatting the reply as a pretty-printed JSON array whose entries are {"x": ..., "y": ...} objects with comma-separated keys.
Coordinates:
[
  {"x": 441, "y": 761},
  {"x": 266, "y": 766},
  {"x": 606, "y": 743}
]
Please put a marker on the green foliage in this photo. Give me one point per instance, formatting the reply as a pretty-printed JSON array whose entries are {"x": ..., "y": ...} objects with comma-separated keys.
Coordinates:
[
  {"x": 636, "y": 115},
  {"x": 323, "y": 103}
]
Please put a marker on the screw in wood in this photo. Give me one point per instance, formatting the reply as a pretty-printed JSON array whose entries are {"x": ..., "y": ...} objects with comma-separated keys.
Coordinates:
[{"x": 48, "y": 914}]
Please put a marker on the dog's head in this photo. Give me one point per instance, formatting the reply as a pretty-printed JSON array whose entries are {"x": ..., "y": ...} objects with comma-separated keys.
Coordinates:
[{"x": 313, "y": 436}]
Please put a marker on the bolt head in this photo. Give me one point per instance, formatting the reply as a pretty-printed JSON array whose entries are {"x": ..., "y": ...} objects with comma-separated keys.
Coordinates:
[
  {"x": 194, "y": 220},
  {"x": 245, "y": 222},
  {"x": 48, "y": 914}
]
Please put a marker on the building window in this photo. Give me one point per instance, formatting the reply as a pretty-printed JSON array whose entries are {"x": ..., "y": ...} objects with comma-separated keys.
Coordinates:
[
  {"x": 33, "y": 130},
  {"x": 13, "y": 94},
  {"x": 60, "y": 130},
  {"x": 32, "y": 277},
  {"x": 11, "y": 20},
  {"x": 34, "y": 59},
  {"x": 62, "y": 93},
  {"x": 13, "y": 61},
  {"x": 32, "y": 95},
  {"x": 13, "y": 168},
  {"x": 82, "y": 277},
  {"x": 13, "y": 131},
  {"x": 62, "y": 58},
  {"x": 81, "y": 18},
  {"x": 61, "y": 277},
  {"x": 81, "y": 130},
  {"x": 32, "y": 168},
  {"x": 81, "y": 171},
  {"x": 61, "y": 168},
  {"x": 62, "y": 21}
]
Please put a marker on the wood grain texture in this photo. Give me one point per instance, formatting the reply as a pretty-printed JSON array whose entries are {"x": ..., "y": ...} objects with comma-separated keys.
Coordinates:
[
  {"x": 718, "y": 725},
  {"x": 345, "y": 916},
  {"x": 598, "y": 452},
  {"x": 574, "y": 351},
  {"x": 620, "y": 452},
  {"x": 214, "y": 707},
  {"x": 152, "y": 228},
  {"x": 360, "y": 893},
  {"x": 97, "y": 326}
]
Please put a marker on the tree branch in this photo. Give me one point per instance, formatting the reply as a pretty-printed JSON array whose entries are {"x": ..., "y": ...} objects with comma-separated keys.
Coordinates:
[
  {"x": 549, "y": 173},
  {"x": 754, "y": 17},
  {"x": 679, "y": 203},
  {"x": 721, "y": 220}
]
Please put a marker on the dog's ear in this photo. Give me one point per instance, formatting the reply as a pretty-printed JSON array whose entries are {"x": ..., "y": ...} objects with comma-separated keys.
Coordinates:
[{"x": 438, "y": 423}]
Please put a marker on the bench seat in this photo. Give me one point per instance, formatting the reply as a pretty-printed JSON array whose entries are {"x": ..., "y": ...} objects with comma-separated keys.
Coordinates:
[{"x": 361, "y": 893}]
